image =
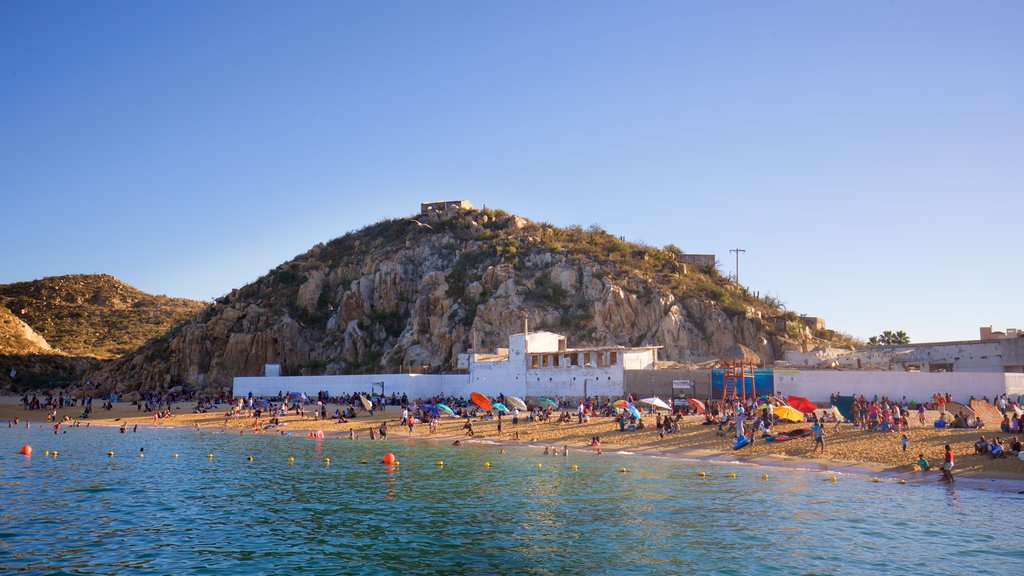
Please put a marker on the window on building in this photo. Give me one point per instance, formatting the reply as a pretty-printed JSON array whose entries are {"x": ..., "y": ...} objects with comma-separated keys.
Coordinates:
[
  {"x": 613, "y": 358},
  {"x": 586, "y": 358},
  {"x": 574, "y": 359},
  {"x": 533, "y": 361},
  {"x": 556, "y": 360}
]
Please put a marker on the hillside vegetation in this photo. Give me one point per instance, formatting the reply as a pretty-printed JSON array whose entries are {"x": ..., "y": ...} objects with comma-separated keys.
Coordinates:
[{"x": 88, "y": 316}]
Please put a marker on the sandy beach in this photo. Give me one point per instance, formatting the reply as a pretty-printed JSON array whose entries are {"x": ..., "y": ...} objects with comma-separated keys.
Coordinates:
[{"x": 851, "y": 451}]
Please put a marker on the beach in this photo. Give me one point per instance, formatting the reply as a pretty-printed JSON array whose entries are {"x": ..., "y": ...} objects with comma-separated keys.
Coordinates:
[{"x": 851, "y": 450}]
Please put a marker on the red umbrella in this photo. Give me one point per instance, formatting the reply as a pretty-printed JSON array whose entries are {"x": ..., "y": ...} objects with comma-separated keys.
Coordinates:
[
  {"x": 802, "y": 404},
  {"x": 481, "y": 400},
  {"x": 697, "y": 405}
]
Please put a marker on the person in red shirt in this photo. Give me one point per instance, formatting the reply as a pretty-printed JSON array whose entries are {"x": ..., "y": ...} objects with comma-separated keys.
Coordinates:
[{"x": 947, "y": 466}]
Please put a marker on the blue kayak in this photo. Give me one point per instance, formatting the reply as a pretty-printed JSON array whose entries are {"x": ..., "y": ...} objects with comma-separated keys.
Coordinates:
[{"x": 741, "y": 442}]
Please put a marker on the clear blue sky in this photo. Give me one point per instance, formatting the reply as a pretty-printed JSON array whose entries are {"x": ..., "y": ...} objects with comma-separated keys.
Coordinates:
[{"x": 869, "y": 156}]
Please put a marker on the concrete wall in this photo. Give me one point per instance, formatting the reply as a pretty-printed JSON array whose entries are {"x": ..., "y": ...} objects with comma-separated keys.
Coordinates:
[
  {"x": 543, "y": 341},
  {"x": 818, "y": 385},
  {"x": 605, "y": 381},
  {"x": 414, "y": 385},
  {"x": 646, "y": 383}
]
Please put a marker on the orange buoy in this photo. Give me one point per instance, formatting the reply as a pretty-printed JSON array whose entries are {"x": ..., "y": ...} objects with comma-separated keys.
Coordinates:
[
  {"x": 389, "y": 458},
  {"x": 26, "y": 450}
]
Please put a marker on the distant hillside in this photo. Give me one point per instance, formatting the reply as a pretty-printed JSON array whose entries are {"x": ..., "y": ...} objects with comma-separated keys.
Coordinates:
[
  {"x": 88, "y": 316},
  {"x": 412, "y": 293}
]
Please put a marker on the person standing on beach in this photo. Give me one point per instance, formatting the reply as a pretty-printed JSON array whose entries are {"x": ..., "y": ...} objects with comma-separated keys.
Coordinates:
[
  {"x": 515, "y": 417},
  {"x": 819, "y": 437},
  {"x": 947, "y": 466}
]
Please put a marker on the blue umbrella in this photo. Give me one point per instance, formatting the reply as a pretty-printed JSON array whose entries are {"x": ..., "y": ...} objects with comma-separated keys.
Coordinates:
[
  {"x": 499, "y": 406},
  {"x": 430, "y": 408},
  {"x": 445, "y": 408},
  {"x": 548, "y": 402},
  {"x": 634, "y": 412}
]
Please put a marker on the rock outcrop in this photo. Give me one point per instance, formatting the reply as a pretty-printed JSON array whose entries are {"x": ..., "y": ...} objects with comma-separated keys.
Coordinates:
[{"x": 405, "y": 296}]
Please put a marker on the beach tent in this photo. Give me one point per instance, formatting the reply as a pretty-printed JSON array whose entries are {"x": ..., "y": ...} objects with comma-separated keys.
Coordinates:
[
  {"x": 845, "y": 405},
  {"x": 657, "y": 403},
  {"x": 955, "y": 407},
  {"x": 802, "y": 404},
  {"x": 697, "y": 405},
  {"x": 515, "y": 402},
  {"x": 789, "y": 413},
  {"x": 988, "y": 413},
  {"x": 444, "y": 408},
  {"x": 480, "y": 400}
]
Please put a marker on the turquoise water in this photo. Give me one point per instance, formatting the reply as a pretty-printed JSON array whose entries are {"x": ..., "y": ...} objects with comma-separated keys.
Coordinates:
[{"x": 86, "y": 513}]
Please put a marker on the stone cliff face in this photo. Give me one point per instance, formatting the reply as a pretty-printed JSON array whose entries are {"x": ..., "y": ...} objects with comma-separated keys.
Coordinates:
[{"x": 399, "y": 296}]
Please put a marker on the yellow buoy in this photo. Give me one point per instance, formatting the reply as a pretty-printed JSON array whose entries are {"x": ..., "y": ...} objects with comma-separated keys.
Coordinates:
[
  {"x": 732, "y": 474},
  {"x": 487, "y": 464},
  {"x": 141, "y": 455},
  {"x": 440, "y": 463},
  {"x": 362, "y": 462},
  {"x": 46, "y": 452},
  {"x": 833, "y": 478},
  {"x": 575, "y": 467},
  {"x": 327, "y": 460},
  {"x": 874, "y": 479},
  {"x": 622, "y": 470},
  {"x": 291, "y": 459},
  {"x": 209, "y": 456},
  {"x": 397, "y": 463},
  {"x": 54, "y": 453},
  {"x": 538, "y": 465},
  {"x": 249, "y": 458},
  {"x": 111, "y": 454},
  {"x": 901, "y": 481},
  {"x": 982, "y": 488},
  {"x": 174, "y": 455},
  {"x": 701, "y": 474},
  {"x": 764, "y": 476}
]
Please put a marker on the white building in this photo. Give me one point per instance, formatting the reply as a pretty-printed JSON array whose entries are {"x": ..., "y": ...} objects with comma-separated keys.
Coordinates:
[{"x": 534, "y": 364}]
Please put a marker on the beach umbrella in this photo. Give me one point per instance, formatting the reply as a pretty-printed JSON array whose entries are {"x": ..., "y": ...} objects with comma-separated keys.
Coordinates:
[
  {"x": 697, "y": 405},
  {"x": 515, "y": 402},
  {"x": 547, "y": 402},
  {"x": 500, "y": 406},
  {"x": 430, "y": 408},
  {"x": 789, "y": 413},
  {"x": 839, "y": 415},
  {"x": 657, "y": 403},
  {"x": 445, "y": 408},
  {"x": 366, "y": 403},
  {"x": 634, "y": 412},
  {"x": 620, "y": 403},
  {"x": 480, "y": 400},
  {"x": 802, "y": 404}
]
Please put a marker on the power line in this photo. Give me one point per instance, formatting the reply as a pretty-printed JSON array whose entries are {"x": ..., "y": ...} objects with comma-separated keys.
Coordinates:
[{"x": 737, "y": 251}]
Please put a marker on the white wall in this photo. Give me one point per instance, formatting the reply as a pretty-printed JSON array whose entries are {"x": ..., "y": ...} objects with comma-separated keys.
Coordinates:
[
  {"x": 638, "y": 360},
  {"x": 818, "y": 385},
  {"x": 414, "y": 385},
  {"x": 605, "y": 381},
  {"x": 543, "y": 342}
]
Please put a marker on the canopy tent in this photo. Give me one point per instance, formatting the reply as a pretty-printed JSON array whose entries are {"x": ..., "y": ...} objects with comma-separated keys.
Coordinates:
[
  {"x": 657, "y": 403},
  {"x": 697, "y": 405},
  {"x": 515, "y": 402},
  {"x": 480, "y": 400},
  {"x": 802, "y": 404},
  {"x": 955, "y": 407},
  {"x": 789, "y": 413}
]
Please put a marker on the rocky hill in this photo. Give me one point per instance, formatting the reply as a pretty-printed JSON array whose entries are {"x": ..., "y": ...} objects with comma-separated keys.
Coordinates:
[
  {"x": 412, "y": 293},
  {"x": 89, "y": 315}
]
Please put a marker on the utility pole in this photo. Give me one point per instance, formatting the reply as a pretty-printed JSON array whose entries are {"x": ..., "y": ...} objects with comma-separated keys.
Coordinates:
[{"x": 737, "y": 251}]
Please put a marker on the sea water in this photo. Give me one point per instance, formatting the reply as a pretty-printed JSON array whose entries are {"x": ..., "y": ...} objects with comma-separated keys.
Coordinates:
[{"x": 84, "y": 512}]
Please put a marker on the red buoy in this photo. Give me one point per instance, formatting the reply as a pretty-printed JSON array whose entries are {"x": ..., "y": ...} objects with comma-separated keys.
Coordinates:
[
  {"x": 389, "y": 458},
  {"x": 26, "y": 450}
]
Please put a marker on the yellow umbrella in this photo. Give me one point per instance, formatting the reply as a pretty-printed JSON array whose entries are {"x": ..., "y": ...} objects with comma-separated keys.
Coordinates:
[{"x": 788, "y": 413}]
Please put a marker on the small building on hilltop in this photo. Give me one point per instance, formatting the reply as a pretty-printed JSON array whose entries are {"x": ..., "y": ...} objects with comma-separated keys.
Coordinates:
[{"x": 444, "y": 207}]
